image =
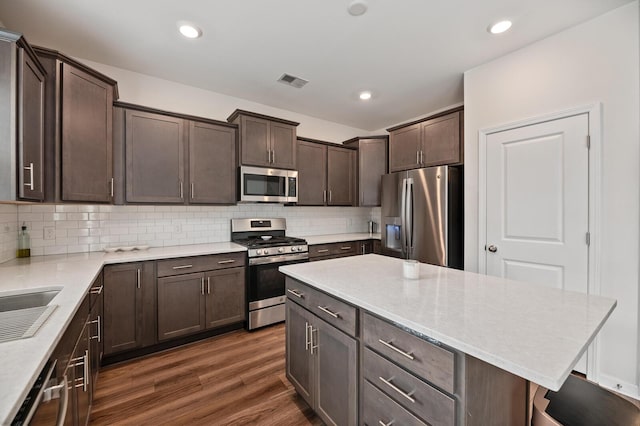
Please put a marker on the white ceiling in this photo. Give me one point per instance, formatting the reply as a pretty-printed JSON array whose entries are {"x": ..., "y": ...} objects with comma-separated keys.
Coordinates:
[{"x": 410, "y": 53}]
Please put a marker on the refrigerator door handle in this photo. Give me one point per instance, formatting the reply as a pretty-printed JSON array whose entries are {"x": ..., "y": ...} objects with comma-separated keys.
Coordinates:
[
  {"x": 410, "y": 218},
  {"x": 403, "y": 217}
]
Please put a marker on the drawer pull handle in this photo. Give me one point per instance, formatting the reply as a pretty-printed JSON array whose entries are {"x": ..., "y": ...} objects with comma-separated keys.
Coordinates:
[
  {"x": 323, "y": 250},
  {"x": 397, "y": 389},
  {"x": 306, "y": 336},
  {"x": 96, "y": 290},
  {"x": 296, "y": 293},
  {"x": 327, "y": 311},
  {"x": 400, "y": 351},
  {"x": 381, "y": 423},
  {"x": 222, "y": 262},
  {"x": 345, "y": 248},
  {"x": 183, "y": 267}
]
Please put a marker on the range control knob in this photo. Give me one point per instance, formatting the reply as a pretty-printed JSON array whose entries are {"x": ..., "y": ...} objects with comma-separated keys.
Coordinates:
[
  {"x": 258, "y": 252},
  {"x": 281, "y": 250},
  {"x": 265, "y": 251},
  {"x": 294, "y": 248}
]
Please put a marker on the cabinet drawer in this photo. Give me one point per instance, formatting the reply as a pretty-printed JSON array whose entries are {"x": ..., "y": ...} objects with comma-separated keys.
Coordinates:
[
  {"x": 379, "y": 409},
  {"x": 428, "y": 403},
  {"x": 427, "y": 360},
  {"x": 187, "y": 265},
  {"x": 349, "y": 248},
  {"x": 337, "y": 313}
]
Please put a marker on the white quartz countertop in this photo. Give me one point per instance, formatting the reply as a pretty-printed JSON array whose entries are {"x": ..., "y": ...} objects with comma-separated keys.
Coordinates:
[
  {"x": 532, "y": 331},
  {"x": 340, "y": 238},
  {"x": 22, "y": 360}
]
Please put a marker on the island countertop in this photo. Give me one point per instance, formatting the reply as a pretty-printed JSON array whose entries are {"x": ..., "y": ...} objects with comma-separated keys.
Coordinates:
[{"x": 529, "y": 330}]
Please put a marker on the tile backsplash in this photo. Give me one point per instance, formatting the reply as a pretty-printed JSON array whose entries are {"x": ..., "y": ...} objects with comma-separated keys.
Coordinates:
[
  {"x": 8, "y": 231},
  {"x": 67, "y": 228}
]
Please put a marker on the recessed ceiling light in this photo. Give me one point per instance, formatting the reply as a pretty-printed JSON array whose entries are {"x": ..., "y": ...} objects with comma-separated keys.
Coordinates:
[
  {"x": 357, "y": 8},
  {"x": 499, "y": 27},
  {"x": 189, "y": 30},
  {"x": 365, "y": 96}
]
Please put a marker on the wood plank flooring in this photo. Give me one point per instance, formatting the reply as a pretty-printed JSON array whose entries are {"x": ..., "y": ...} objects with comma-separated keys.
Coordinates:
[{"x": 234, "y": 379}]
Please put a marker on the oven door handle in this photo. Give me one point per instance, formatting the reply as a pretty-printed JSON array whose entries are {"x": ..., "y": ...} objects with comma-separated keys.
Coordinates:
[{"x": 278, "y": 259}]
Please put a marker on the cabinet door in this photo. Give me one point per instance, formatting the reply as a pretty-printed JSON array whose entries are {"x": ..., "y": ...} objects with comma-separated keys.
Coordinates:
[
  {"x": 87, "y": 109},
  {"x": 283, "y": 145},
  {"x": 122, "y": 307},
  {"x": 312, "y": 174},
  {"x": 154, "y": 158},
  {"x": 225, "y": 297},
  {"x": 340, "y": 176},
  {"x": 212, "y": 164},
  {"x": 372, "y": 165},
  {"x": 254, "y": 140},
  {"x": 299, "y": 359},
  {"x": 181, "y": 305},
  {"x": 336, "y": 371},
  {"x": 404, "y": 148},
  {"x": 96, "y": 345},
  {"x": 30, "y": 128},
  {"x": 441, "y": 140}
]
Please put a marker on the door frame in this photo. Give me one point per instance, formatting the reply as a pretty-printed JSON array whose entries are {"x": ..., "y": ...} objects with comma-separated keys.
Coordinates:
[{"x": 594, "y": 114}]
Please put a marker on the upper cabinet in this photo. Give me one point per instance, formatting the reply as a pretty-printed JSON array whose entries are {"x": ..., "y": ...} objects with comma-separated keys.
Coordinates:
[
  {"x": 326, "y": 174},
  {"x": 371, "y": 165},
  {"x": 22, "y": 97},
  {"x": 166, "y": 157},
  {"x": 78, "y": 130},
  {"x": 434, "y": 141},
  {"x": 265, "y": 141}
]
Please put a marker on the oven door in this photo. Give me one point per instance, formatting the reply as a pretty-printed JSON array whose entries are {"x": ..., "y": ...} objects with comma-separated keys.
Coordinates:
[
  {"x": 266, "y": 284},
  {"x": 262, "y": 184}
]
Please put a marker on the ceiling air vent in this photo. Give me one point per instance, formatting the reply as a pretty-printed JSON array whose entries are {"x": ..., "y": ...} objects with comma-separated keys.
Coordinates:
[{"x": 292, "y": 80}]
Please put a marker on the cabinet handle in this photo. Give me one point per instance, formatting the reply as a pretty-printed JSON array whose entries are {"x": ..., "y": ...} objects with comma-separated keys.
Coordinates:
[
  {"x": 269, "y": 156},
  {"x": 397, "y": 389},
  {"x": 208, "y": 285},
  {"x": 363, "y": 251},
  {"x": 327, "y": 311},
  {"x": 324, "y": 196},
  {"x": 96, "y": 290},
  {"x": 323, "y": 250},
  {"x": 111, "y": 184},
  {"x": 296, "y": 293},
  {"x": 84, "y": 362},
  {"x": 138, "y": 278},
  {"x": 311, "y": 338},
  {"x": 223, "y": 262},
  {"x": 400, "y": 351},
  {"x": 30, "y": 168},
  {"x": 202, "y": 285},
  {"x": 329, "y": 195},
  {"x": 345, "y": 248},
  {"x": 192, "y": 191},
  {"x": 306, "y": 336},
  {"x": 273, "y": 157},
  {"x": 421, "y": 157},
  {"x": 417, "y": 157},
  {"x": 181, "y": 191},
  {"x": 182, "y": 267},
  {"x": 98, "y": 336}
]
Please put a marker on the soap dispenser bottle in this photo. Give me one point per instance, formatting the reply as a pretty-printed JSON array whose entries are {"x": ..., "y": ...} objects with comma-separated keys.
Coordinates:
[{"x": 24, "y": 243}]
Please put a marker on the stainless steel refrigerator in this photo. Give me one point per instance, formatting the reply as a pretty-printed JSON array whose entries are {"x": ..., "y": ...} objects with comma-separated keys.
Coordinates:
[{"x": 423, "y": 216}]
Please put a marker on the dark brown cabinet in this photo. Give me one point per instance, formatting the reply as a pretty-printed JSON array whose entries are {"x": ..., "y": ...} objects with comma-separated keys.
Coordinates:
[
  {"x": 129, "y": 307},
  {"x": 265, "y": 141},
  {"x": 322, "y": 365},
  {"x": 326, "y": 174},
  {"x": 22, "y": 95},
  {"x": 372, "y": 164},
  {"x": 200, "y": 293},
  {"x": 78, "y": 130},
  {"x": 432, "y": 142},
  {"x": 212, "y": 164},
  {"x": 154, "y": 158},
  {"x": 95, "y": 330},
  {"x": 343, "y": 249}
]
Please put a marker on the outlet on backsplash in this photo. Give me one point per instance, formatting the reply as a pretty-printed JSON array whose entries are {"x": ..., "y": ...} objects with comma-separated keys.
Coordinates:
[{"x": 49, "y": 233}]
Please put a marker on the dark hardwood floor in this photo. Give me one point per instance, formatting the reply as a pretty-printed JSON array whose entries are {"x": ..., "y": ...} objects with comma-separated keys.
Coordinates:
[{"x": 234, "y": 379}]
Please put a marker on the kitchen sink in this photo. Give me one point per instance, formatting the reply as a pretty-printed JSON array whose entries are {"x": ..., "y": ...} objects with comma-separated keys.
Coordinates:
[{"x": 21, "y": 315}]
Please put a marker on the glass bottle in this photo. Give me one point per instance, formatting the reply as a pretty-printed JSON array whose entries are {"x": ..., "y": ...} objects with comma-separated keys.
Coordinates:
[{"x": 24, "y": 243}]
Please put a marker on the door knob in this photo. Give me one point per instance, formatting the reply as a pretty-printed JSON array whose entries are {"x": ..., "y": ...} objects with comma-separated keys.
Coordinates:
[{"x": 492, "y": 248}]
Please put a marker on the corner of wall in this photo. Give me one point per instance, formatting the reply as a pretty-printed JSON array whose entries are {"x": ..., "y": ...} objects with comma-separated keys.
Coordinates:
[{"x": 8, "y": 231}]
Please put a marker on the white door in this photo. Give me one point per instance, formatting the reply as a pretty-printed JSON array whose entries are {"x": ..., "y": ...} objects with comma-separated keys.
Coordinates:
[{"x": 537, "y": 204}]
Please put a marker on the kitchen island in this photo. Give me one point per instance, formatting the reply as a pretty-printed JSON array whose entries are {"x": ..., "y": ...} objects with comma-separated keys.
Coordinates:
[{"x": 485, "y": 337}]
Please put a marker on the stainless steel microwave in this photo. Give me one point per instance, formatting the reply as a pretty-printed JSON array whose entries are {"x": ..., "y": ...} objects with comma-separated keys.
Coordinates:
[{"x": 260, "y": 184}]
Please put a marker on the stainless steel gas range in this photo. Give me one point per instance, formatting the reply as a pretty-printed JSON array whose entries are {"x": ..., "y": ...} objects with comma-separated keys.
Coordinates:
[{"x": 269, "y": 248}]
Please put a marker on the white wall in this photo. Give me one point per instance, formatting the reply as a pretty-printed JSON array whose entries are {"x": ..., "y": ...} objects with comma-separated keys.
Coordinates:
[
  {"x": 595, "y": 61},
  {"x": 8, "y": 231},
  {"x": 170, "y": 96}
]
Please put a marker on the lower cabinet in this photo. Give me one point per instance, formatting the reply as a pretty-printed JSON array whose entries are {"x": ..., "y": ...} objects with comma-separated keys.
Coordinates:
[
  {"x": 343, "y": 249},
  {"x": 129, "y": 306},
  {"x": 322, "y": 365}
]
